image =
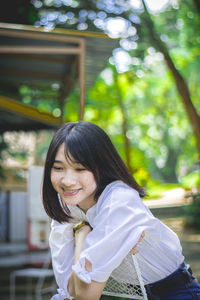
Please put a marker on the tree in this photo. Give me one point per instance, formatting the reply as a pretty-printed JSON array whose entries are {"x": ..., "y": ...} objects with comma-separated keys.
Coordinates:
[
  {"x": 181, "y": 83},
  {"x": 94, "y": 14},
  {"x": 143, "y": 31},
  {"x": 125, "y": 121},
  {"x": 159, "y": 139},
  {"x": 19, "y": 12}
]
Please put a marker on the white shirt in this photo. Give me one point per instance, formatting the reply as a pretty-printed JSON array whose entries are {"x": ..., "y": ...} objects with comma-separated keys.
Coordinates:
[{"x": 118, "y": 220}]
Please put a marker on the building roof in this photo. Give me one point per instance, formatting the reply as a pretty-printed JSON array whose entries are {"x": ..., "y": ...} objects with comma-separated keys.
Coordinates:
[{"x": 37, "y": 64}]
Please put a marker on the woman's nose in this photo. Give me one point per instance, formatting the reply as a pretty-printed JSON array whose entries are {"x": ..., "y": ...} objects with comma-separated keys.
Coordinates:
[{"x": 68, "y": 178}]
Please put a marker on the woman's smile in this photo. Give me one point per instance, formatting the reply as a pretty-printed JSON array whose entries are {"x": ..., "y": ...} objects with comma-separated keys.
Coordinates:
[
  {"x": 75, "y": 184},
  {"x": 67, "y": 192}
]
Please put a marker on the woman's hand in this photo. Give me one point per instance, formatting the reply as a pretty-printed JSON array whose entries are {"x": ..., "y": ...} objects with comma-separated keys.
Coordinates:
[
  {"x": 80, "y": 234},
  {"x": 134, "y": 250},
  {"x": 81, "y": 231},
  {"x": 77, "y": 288}
]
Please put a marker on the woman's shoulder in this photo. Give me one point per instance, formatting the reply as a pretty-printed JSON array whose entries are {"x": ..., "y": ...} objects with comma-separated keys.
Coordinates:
[
  {"x": 119, "y": 186},
  {"x": 117, "y": 190}
]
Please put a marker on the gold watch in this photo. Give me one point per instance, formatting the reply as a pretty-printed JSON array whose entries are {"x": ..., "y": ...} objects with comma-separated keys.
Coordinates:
[{"x": 79, "y": 225}]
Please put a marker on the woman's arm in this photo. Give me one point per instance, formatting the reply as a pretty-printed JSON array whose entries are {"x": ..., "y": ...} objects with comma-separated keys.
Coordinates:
[
  {"x": 117, "y": 228},
  {"x": 76, "y": 287},
  {"x": 61, "y": 242}
]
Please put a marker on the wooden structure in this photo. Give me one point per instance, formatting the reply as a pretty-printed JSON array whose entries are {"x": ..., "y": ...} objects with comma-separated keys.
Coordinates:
[{"x": 58, "y": 60}]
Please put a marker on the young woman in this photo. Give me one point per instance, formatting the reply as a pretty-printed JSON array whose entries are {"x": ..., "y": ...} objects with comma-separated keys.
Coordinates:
[{"x": 97, "y": 218}]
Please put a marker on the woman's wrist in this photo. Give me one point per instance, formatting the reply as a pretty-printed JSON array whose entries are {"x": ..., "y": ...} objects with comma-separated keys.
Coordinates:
[
  {"x": 80, "y": 233},
  {"x": 79, "y": 225}
]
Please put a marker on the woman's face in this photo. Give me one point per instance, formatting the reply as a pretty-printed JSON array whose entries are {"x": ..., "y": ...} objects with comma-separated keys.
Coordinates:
[{"x": 75, "y": 184}]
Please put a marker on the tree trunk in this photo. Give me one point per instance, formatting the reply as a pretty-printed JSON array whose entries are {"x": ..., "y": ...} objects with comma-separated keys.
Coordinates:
[
  {"x": 127, "y": 144},
  {"x": 186, "y": 99},
  {"x": 197, "y": 4},
  {"x": 181, "y": 84}
]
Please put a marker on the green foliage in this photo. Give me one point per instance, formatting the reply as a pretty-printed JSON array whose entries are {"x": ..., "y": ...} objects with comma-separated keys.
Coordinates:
[
  {"x": 191, "y": 180},
  {"x": 3, "y": 147},
  {"x": 193, "y": 212},
  {"x": 19, "y": 12},
  {"x": 44, "y": 98},
  {"x": 71, "y": 112},
  {"x": 18, "y": 153},
  {"x": 42, "y": 148},
  {"x": 155, "y": 188},
  {"x": 160, "y": 136},
  {"x": 159, "y": 132}
]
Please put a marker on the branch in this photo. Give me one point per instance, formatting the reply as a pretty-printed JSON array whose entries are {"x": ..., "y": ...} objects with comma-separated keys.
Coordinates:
[{"x": 197, "y": 4}]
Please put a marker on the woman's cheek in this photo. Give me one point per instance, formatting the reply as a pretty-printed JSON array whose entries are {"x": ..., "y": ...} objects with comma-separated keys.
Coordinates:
[{"x": 54, "y": 180}]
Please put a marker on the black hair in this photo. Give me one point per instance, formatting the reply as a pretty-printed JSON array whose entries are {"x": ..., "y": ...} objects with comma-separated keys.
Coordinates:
[{"x": 89, "y": 145}]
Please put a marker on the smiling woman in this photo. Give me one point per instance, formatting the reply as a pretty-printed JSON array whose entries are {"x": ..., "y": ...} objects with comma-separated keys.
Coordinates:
[
  {"x": 99, "y": 221},
  {"x": 72, "y": 181}
]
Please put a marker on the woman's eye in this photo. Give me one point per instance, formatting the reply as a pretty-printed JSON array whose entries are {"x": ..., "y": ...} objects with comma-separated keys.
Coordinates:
[
  {"x": 80, "y": 169},
  {"x": 57, "y": 168}
]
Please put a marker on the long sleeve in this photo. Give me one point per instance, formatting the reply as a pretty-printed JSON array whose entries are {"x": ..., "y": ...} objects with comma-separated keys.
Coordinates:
[
  {"x": 61, "y": 243},
  {"x": 121, "y": 217},
  {"x": 118, "y": 220}
]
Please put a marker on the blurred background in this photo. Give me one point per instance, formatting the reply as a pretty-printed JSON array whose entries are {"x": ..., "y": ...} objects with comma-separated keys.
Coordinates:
[{"x": 131, "y": 67}]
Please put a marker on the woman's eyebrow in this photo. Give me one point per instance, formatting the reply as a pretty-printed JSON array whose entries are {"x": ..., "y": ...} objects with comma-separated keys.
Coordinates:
[{"x": 57, "y": 161}]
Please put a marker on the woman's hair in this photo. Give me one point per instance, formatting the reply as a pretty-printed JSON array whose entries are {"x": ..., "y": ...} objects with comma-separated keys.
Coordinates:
[{"x": 89, "y": 145}]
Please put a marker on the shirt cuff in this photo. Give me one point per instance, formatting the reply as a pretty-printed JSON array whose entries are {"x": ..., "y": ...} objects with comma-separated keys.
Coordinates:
[
  {"x": 86, "y": 276},
  {"x": 81, "y": 272},
  {"x": 62, "y": 294}
]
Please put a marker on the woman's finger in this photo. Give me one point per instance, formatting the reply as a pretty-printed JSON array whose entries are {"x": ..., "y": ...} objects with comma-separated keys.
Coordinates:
[{"x": 134, "y": 250}]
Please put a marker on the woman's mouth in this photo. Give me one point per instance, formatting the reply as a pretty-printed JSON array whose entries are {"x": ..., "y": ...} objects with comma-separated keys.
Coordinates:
[{"x": 70, "y": 192}]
